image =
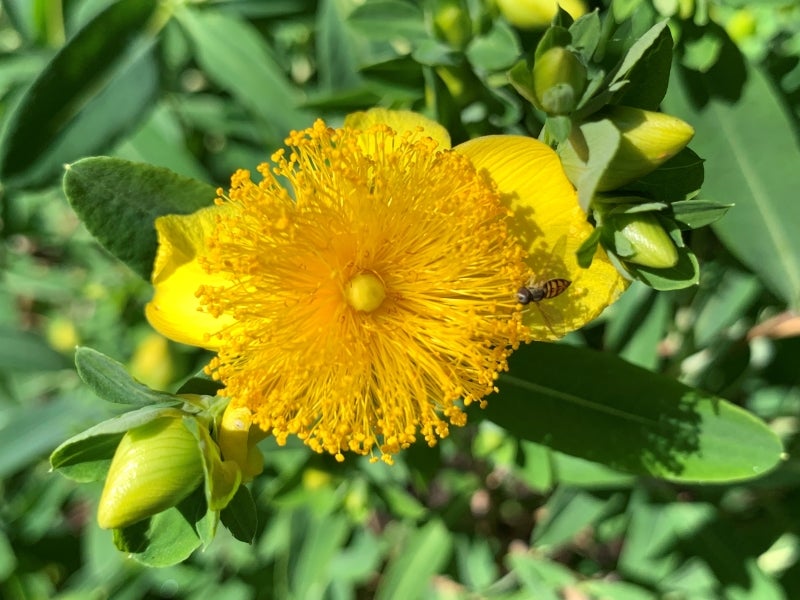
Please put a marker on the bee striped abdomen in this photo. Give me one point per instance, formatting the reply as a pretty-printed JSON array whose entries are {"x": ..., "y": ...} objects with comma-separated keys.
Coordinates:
[{"x": 544, "y": 290}]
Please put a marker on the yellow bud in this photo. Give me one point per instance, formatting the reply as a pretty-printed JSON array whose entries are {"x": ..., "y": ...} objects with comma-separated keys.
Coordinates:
[
  {"x": 648, "y": 139},
  {"x": 559, "y": 79},
  {"x": 152, "y": 362},
  {"x": 537, "y": 14},
  {"x": 652, "y": 247},
  {"x": 155, "y": 466},
  {"x": 237, "y": 443},
  {"x": 452, "y": 23},
  {"x": 62, "y": 335},
  {"x": 741, "y": 25}
]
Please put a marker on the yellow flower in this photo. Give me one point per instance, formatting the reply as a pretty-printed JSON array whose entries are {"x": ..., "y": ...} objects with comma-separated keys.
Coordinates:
[{"x": 364, "y": 290}]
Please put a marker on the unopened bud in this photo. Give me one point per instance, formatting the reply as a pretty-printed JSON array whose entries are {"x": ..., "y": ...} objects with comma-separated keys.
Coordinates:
[
  {"x": 452, "y": 22},
  {"x": 237, "y": 441},
  {"x": 648, "y": 139},
  {"x": 559, "y": 79},
  {"x": 651, "y": 245},
  {"x": 155, "y": 466},
  {"x": 537, "y": 14}
]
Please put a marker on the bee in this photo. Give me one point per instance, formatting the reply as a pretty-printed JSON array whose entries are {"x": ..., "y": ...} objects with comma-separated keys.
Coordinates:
[{"x": 543, "y": 290}]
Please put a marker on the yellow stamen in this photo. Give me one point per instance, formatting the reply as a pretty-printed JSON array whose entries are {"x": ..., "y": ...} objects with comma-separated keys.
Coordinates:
[{"x": 371, "y": 299}]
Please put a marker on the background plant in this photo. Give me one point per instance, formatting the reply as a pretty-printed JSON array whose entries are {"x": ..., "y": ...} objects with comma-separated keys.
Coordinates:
[{"x": 488, "y": 513}]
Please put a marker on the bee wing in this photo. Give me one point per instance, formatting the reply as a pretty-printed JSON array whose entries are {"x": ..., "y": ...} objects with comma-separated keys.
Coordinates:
[{"x": 547, "y": 317}]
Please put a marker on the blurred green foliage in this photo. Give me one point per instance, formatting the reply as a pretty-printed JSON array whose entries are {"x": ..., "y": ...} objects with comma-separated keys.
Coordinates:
[{"x": 486, "y": 514}]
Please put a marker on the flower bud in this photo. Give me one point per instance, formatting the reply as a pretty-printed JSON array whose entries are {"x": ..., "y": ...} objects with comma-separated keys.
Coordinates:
[
  {"x": 237, "y": 440},
  {"x": 559, "y": 79},
  {"x": 651, "y": 245},
  {"x": 452, "y": 23},
  {"x": 537, "y": 14},
  {"x": 155, "y": 466},
  {"x": 648, "y": 139}
]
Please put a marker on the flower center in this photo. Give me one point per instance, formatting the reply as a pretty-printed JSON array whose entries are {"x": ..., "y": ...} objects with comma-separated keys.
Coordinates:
[{"x": 364, "y": 292}]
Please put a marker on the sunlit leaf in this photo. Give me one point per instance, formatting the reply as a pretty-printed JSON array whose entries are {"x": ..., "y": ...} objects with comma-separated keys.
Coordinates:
[
  {"x": 119, "y": 200},
  {"x": 596, "y": 406}
]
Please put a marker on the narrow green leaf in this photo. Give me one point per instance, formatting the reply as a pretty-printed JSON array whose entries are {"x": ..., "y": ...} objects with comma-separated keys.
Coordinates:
[
  {"x": 636, "y": 421},
  {"x": 235, "y": 56},
  {"x": 323, "y": 540},
  {"x": 83, "y": 456},
  {"x": 111, "y": 381},
  {"x": 389, "y": 19},
  {"x": 585, "y": 33},
  {"x": 692, "y": 214},
  {"x": 755, "y": 155},
  {"x": 337, "y": 61},
  {"x": 30, "y": 432},
  {"x": 119, "y": 200},
  {"x": 646, "y": 67},
  {"x": 95, "y": 88},
  {"x": 541, "y": 578},
  {"x": 23, "y": 352},
  {"x": 408, "y": 575},
  {"x": 567, "y": 511}
]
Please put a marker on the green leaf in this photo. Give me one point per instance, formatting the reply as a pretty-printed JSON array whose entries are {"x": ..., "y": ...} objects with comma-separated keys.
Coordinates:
[
  {"x": 684, "y": 274},
  {"x": 408, "y": 575},
  {"x": 567, "y": 512},
  {"x": 389, "y": 19},
  {"x": 540, "y": 577},
  {"x": 23, "y": 352},
  {"x": 640, "y": 422},
  {"x": 496, "y": 50},
  {"x": 337, "y": 61},
  {"x": 587, "y": 155},
  {"x": 521, "y": 77},
  {"x": 119, "y": 200},
  {"x": 96, "y": 88},
  {"x": 677, "y": 179},
  {"x": 85, "y": 456},
  {"x": 111, "y": 381},
  {"x": 165, "y": 539},
  {"x": 646, "y": 67},
  {"x": 755, "y": 155},
  {"x": 322, "y": 541},
  {"x": 692, "y": 214},
  {"x": 235, "y": 56},
  {"x": 585, "y": 33},
  {"x": 240, "y": 516}
]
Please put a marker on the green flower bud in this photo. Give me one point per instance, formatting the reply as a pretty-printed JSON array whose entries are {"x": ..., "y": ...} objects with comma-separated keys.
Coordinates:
[
  {"x": 559, "y": 79},
  {"x": 651, "y": 245},
  {"x": 155, "y": 466},
  {"x": 452, "y": 23},
  {"x": 648, "y": 139},
  {"x": 537, "y": 14}
]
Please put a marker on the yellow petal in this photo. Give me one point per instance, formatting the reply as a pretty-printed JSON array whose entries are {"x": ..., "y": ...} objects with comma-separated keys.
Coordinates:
[
  {"x": 174, "y": 310},
  {"x": 551, "y": 225},
  {"x": 401, "y": 121}
]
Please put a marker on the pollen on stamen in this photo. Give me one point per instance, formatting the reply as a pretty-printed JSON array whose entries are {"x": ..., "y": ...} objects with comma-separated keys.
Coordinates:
[{"x": 373, "y": 300}]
